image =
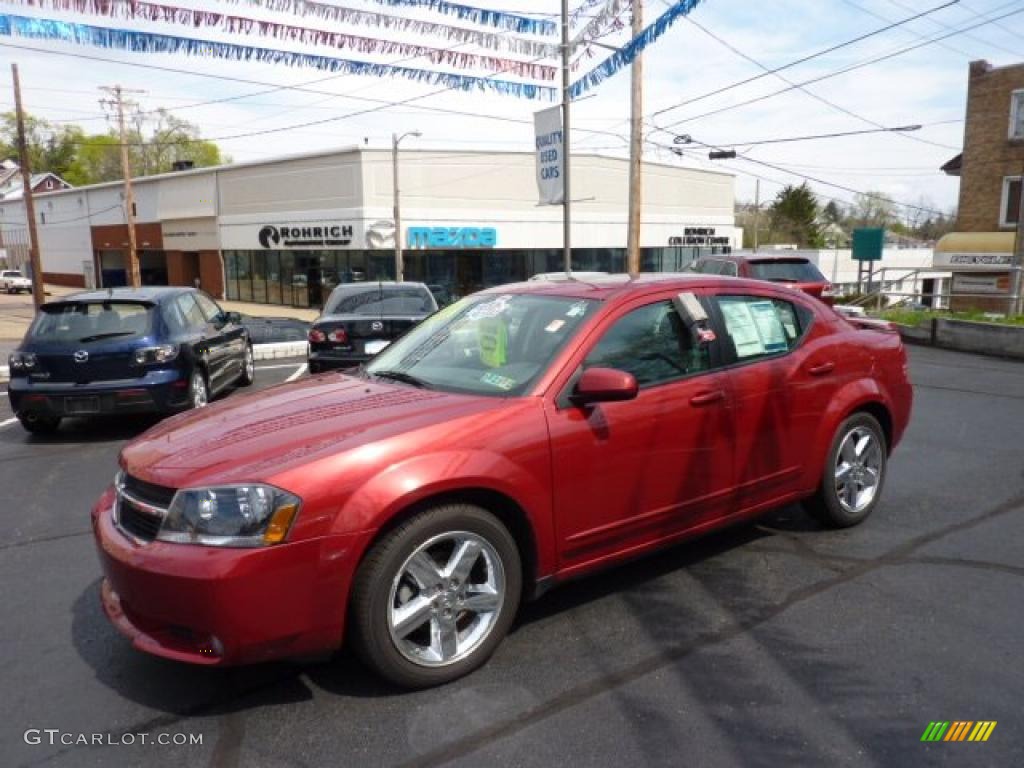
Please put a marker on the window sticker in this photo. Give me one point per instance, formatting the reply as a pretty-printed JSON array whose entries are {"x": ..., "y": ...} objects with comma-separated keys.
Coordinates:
[
  {"x": 488, "y": 309},
  {"x": 739, "y": 322},
  {"x": 769, "y": 326},
  {"x": 577, "y": 310},
  {"x": 496, "y": 380},
  {"x": 555, "y": 326}
]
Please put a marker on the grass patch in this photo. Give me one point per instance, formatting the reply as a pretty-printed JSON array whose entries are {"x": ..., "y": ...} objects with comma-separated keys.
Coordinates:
[{"x": 920, "y": 317}]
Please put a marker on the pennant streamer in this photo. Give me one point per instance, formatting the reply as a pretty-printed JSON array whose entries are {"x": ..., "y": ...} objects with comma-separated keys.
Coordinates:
[
  {"x": 482, "y": 16},
  {"x": 605, "y": 18},
  {"x": 625, "y": 55},
  {"x": 147, "y": 42},
  {"x": 131, "y": 9}
]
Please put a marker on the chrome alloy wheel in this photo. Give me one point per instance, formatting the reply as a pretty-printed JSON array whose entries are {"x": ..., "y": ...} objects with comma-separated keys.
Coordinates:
[
  {"x": 446, "y": 598},
  {"x": 197, "y": 389},
  {"x": 858, "y": 471}
]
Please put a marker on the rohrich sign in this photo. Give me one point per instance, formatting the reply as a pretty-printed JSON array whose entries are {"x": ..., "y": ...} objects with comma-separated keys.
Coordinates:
[
  {"x": 326, "y": 235},
  {"x": 451, "y": 237},
  {"x": 699, "y": 236}
]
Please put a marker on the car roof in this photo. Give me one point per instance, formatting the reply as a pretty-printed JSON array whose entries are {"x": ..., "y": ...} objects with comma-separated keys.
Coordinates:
[
  {"x": 618, "y": 286},
  {"x": 152, "y": 293},
  {"x": 756, "y": 257}
]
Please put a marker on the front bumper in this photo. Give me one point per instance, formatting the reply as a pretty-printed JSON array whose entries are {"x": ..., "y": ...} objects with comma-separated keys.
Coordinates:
[
  {"x": 224, "y": 606},
  {"x": 161, "y": 391}
]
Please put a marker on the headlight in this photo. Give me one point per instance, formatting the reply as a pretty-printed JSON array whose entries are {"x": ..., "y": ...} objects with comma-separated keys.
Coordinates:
[
  {"x": 230, "y": 516},
  {"x": 162, "y": 354},
  {"x": 19, "y": 362}
]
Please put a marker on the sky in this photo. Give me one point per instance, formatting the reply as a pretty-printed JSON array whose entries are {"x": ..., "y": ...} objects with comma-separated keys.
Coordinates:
[{"x": 721, "y": 43}]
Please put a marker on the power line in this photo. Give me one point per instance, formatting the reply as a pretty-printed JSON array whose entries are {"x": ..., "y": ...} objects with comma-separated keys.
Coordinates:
[
  {"x": 949, "y": 26},
  {"x": 797, "y": 62},
  {"x": 812, "y": 94},
  {"x": 842, "y": 71},
  {"x": 834, "y": 135}
]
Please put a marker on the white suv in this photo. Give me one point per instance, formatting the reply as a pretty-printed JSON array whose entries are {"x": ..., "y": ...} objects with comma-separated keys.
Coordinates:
[{"x": 13, "y": 281}]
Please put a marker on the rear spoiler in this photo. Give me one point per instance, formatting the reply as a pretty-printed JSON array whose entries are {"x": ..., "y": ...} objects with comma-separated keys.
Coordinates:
[{"x": 870, "y": 324}]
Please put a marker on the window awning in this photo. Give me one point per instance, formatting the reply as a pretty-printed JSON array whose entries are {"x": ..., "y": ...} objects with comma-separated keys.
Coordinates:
[{"x": 975, "y": 250}]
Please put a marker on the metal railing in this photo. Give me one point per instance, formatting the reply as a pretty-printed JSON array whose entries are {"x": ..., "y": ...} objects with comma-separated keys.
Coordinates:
[{"x": 887, "y": 291}]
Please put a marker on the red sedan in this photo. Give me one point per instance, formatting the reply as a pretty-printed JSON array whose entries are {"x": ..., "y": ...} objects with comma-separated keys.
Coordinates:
[
  {"x": 520, "y": 437},
  {"x": 797, "y": 272}
]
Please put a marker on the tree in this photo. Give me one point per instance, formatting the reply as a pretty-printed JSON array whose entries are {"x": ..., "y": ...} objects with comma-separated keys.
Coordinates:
[
  {"x": 82, "y": 158},
  {"x": 872, "y": 209},
  {"x": 832, "y": 213},
  {"x": 793, "y": 216}
]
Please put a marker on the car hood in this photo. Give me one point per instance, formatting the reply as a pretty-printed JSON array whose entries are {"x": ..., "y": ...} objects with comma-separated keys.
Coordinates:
[{"x": 254, "y": 437}]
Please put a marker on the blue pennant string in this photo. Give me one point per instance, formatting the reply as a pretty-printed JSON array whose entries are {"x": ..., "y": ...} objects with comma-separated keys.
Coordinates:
[
  {"x": 148, "y": 42},
  {"x": 624, "y": 56}
]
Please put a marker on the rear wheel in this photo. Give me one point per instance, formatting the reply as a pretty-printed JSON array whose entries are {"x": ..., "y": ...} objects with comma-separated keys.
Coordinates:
[
  {"x": 248, "y": 375},
  {"x": 854, "y": 473},
  {"x": 39, "y": 423},
  {"x": 198, "y": 392},
  {"x": 436, "y": 596}
]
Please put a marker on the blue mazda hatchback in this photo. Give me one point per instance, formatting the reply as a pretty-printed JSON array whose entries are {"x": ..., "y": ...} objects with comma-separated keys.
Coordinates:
[{"x": 126, "y": 350}]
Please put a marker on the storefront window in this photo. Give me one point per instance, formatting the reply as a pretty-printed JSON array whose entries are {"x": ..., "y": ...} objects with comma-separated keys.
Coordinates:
[
  {"x": 244, "y": 276},
  {"x": 274, "y": 278},
  {"x": 259, "y": 277}
]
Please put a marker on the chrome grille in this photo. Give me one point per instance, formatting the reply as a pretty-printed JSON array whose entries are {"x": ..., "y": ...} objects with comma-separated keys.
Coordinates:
[{"x": 141, "y": 507}]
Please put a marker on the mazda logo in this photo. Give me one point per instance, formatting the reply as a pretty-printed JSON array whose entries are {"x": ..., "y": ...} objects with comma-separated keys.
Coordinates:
[
  {"x": 377, "y": 325},
  {"x": 269, "y": 236},
  {"x": 81, "y": 356}
]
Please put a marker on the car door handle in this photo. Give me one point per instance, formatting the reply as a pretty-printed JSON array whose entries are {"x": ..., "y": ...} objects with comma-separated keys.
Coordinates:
[
  {"x": 822, "y": 368},
  {"x": 707, "y": 398}
]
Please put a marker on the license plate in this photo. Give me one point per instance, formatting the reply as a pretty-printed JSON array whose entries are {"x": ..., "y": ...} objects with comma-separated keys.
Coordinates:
[
  {"x": 373, "y": 347},
  {"x": 81, "y": 405}
]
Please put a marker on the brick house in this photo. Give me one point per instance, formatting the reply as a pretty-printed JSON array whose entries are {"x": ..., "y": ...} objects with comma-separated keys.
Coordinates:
[{"x": 991, "y": 167}]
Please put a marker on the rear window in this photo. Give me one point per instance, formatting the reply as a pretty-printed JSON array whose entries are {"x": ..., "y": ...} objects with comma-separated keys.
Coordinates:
[
  {"x": 92, "y": 321},
  {"x": 380, "y": 300},
  {"x": 786, "y": 271},
  {"x": 11, "y": 274}
]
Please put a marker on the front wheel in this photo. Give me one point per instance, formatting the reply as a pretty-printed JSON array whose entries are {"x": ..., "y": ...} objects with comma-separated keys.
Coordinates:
[
  {"x": 436, "y": 596},
  {"x": 854, "y": 473},
  {"x": 198, "y": 393},
  {"x": 248, "y": 375}
]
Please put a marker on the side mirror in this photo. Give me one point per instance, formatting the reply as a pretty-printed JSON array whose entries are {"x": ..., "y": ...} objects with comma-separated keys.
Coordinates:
[
  {"x": 604, "y": 385},
  {"x": 233, "y": 317}
]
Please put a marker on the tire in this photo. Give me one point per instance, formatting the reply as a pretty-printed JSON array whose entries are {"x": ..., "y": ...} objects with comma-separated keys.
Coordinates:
[
  {"x": 39, "y": 423},
  {"x": 854, "y": 474},
  {"x": 248, "y": 375},
  {"x": 425, "y": 651},
  {"x": 198, "y": 389}
]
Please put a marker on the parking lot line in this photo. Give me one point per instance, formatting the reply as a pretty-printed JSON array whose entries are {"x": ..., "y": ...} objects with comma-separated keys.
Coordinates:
[
  {"x": 301, "y": 370},
  {"x": 6, "y": 423},
  {"x": 274, "y": 367}
]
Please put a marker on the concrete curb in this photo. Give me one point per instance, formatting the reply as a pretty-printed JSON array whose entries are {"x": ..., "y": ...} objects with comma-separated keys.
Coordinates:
[
  {"x": 280, "y": 350},
  {"x": 259, "y": 352},
  {"x": 989, "y": 339}
]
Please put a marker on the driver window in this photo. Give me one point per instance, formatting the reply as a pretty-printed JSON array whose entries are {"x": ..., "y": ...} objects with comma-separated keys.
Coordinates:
[{"x": 653, "y": 344}]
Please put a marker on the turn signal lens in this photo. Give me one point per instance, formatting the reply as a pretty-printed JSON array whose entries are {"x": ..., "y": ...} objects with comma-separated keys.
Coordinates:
[{"x": 279, "y": 524}]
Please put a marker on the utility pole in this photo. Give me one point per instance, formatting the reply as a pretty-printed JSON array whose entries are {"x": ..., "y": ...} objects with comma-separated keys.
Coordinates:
[
  {"x": 118, "y": 104},
  {"x": 1016, "y": 305},
  {"x": 757, "y": 211},
  {"x": 566, "y": 146},
  {"x": 399, "y": 260},
  {"x": 636, "y": 147},
  {"x": 38, "y": 295}
]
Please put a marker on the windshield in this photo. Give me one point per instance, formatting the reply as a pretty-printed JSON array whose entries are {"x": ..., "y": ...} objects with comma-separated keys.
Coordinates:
[
  {"x": 792, "y": 271},
  {"x": 487, "y": 345},
  {"x": 11, "y": 274},
  {"x": 377, "y": 299},
  {"x": 84, "y": 322}
]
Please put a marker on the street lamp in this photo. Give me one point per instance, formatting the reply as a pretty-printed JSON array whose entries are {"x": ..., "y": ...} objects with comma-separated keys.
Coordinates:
[{"x": 395, "y": 141}]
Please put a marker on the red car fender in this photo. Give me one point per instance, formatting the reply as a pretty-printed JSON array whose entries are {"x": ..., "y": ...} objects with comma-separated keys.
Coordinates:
[
  {"x": 407, "y": 483},
  {"x": 849, "y": 398}
]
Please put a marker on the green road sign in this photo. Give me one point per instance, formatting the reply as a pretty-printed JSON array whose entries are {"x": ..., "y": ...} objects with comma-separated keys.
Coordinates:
[{"x": 868, "y": 243}]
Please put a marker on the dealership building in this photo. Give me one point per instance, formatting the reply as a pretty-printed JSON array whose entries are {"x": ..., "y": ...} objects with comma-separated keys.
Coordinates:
[{"x": 286, "y": 231}]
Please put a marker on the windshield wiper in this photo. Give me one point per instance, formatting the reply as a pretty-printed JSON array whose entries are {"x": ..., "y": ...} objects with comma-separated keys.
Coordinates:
[
  {"x": 402, "y": 376},
  {"x": 99, "y": 336}
]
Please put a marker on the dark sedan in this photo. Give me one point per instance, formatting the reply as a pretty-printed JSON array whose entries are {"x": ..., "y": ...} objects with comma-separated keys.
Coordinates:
[
  {"x": 361, "y": 319},
  {"x": 126, "y": 350}
]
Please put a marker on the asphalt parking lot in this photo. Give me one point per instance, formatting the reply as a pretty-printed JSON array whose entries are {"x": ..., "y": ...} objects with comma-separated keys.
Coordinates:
[{"x": 774, "y": 644}]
